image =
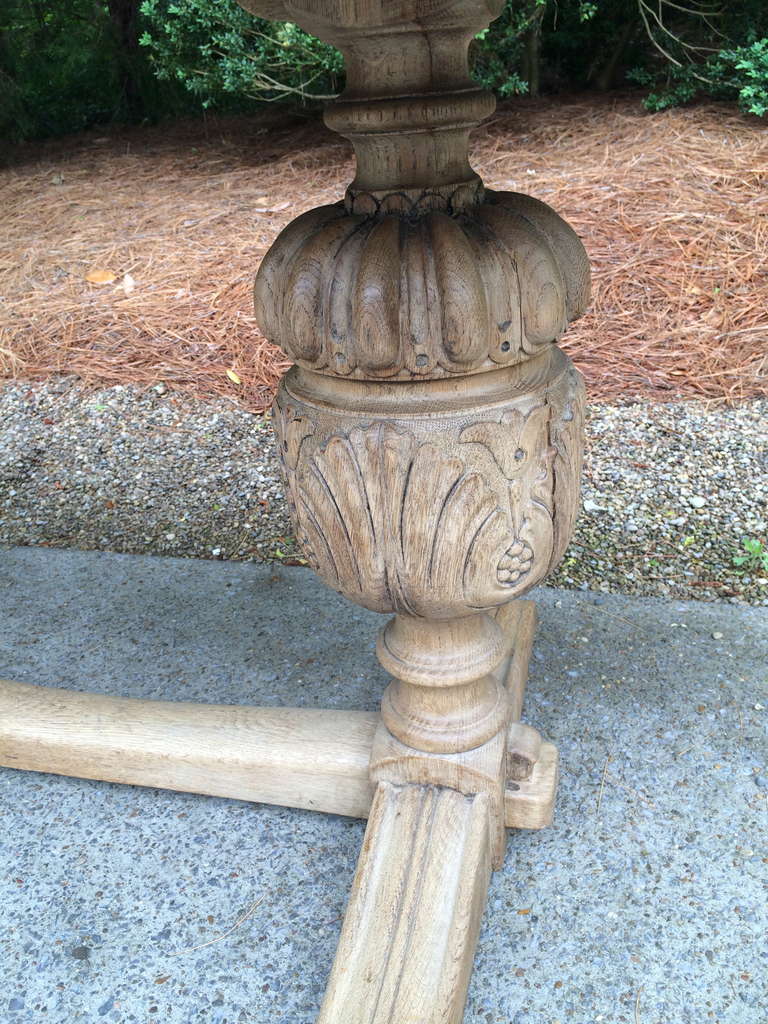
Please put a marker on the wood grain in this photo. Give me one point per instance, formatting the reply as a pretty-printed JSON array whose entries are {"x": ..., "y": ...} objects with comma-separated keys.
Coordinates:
[
  {"x": 530, "y": 803},
  {"x": 518, "y": 621},
  {"x": 300, "y": 757},
  {"x": 409, "y": 934},
  {"x": 387, "y": 297}
]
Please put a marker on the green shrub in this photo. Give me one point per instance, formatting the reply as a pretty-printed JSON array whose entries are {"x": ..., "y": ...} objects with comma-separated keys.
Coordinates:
[
  {"x": 745, "y": 70},
  {"x": 223, "y": 56},
  {"x": 56, "y": 68},
  {"x": 739, "y": 74},
  {"x": 67, "y": 66}
]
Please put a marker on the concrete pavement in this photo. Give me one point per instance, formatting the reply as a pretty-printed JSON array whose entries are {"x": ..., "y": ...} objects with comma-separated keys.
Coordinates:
[{"x": 645, "y": 902}]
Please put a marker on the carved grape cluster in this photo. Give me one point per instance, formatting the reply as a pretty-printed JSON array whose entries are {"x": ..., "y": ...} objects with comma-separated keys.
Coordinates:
[{"x": 517, "y": 561}]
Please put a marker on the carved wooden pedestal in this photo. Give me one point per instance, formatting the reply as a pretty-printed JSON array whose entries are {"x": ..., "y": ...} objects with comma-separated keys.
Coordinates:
[{"x": 431, "y": 438}]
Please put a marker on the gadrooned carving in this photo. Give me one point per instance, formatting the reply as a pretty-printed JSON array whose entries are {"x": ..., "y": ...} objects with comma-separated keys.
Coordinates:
[
  {"x": 395, "y": 297},
  {"x": 461, "y": 515}
]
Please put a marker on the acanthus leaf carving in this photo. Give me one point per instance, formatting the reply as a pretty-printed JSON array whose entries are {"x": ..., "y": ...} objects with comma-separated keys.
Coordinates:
[
  {"x": 395, "y": 523},
  {"x": 567, "y": 436},
  {"x": 515, "y": 441},
  {"x": 422, "y": 523}
]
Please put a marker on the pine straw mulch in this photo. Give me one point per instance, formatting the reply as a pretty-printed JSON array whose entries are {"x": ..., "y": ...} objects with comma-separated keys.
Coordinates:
[{"x": 672, "y": 207}]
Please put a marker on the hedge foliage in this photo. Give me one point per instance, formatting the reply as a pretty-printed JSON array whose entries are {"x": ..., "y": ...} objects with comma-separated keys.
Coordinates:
[{"x": 67, "y": 66}]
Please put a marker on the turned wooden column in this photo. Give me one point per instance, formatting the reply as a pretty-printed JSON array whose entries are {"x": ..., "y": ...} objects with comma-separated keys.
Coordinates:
[{"x": 431, "y": 437}]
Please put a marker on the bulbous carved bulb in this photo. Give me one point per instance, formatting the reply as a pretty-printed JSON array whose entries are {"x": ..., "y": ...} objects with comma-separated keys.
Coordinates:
[{"x": 433, "y": 294}]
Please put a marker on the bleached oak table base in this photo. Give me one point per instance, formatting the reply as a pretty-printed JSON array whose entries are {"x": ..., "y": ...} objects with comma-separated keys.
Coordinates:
[
  {"x": 430, "y": 434},
  {"x": 406, "y": 949}
]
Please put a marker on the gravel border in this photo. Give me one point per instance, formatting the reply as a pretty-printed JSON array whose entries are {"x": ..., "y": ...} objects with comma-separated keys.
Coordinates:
[{"x": 670, "y": 490}]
